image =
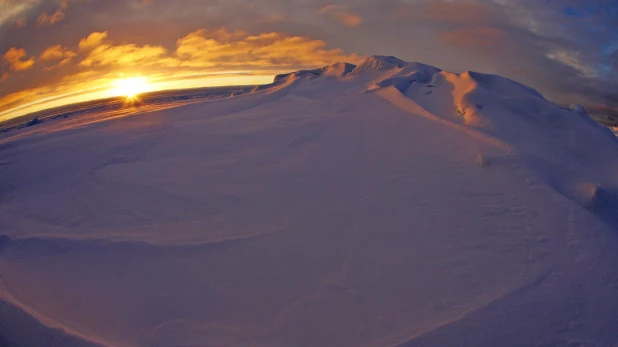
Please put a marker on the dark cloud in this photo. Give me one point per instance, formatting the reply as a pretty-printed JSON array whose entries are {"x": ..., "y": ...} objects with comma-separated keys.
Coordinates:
[
  {"x": 52, "y": 18},
  {"x": 567, "y": 49}
]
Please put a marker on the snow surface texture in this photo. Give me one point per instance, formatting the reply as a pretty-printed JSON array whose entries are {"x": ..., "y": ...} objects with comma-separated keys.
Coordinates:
[{"x": 389, "y": 204}]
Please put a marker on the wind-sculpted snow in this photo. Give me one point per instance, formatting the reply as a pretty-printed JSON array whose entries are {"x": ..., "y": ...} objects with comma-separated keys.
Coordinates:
[
  {"x": 379, "y": 63},
  {"x": 385, "y": 204}
]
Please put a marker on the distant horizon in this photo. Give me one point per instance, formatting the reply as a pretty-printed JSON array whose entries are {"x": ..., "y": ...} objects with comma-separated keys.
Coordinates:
[
  {"x": 104, "y": 93},
  {"x": 55, "y": 52}
]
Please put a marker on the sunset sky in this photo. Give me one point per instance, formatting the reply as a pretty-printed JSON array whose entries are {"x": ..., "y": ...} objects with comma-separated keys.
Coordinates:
[{"x": 55, "y": 52}]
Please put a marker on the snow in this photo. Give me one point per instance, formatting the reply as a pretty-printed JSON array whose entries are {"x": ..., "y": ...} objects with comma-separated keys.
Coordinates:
[
  {"x": 379, "y": 63},
  {"x": 389, "y": 204}
]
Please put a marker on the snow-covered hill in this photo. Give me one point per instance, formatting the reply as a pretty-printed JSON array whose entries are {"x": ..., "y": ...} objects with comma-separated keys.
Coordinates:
[{"x": 385, "y": 204}]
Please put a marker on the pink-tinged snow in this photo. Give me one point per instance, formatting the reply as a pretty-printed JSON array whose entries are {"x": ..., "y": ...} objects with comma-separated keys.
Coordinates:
[{"x": 389, "y": 204}]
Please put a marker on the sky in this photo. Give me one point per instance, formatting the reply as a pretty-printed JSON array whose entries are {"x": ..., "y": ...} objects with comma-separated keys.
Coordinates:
[{"x": 54, "y": 52}]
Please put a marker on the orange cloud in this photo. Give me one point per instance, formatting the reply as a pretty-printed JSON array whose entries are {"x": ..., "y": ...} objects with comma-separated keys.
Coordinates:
[
  {"x": 51, "y": 19},
  {"x": 221, "y": 48},
  {"x": 124, "y": 55},
  {"x": 4, "y": 77},
  {"x": 17, "y": 59},
  {"x": 57, "y": 52},
  {"x": 206, "y": 48},
  {"x": 20, "y": 23},
  {"x": 340, "y": 14},
  {"x": 93, "y": 41}
]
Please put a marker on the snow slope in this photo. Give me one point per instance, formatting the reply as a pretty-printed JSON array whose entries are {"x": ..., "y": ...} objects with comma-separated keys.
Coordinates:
[{"x": 389, "y": 204}]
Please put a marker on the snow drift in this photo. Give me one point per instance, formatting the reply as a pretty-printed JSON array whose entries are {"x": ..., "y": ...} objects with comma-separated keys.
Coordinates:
[{"x": 385, "y": 204}]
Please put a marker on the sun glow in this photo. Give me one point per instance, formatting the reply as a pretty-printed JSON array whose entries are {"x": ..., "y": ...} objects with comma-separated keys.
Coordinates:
[{"x": 130, "y": 87}]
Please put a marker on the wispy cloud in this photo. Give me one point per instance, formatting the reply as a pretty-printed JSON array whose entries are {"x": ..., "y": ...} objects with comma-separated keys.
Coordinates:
[
  {"x": 208, "y": 48},
  {"x": 571, "y": 59},
  {"x": 62, "y": 56},
  {"x": 125, "y": 55},
  {"x": 12, "y": 9}
]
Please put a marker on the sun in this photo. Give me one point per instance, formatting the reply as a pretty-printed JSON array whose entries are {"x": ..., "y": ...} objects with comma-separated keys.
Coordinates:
[{"x": 130, "y": 87}]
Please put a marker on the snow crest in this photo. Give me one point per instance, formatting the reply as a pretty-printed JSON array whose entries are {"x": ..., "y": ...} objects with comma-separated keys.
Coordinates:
[{"x": 379, "y": 63}]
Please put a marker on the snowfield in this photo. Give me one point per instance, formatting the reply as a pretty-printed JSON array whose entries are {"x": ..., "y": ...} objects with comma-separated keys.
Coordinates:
[{"x": 385, "y": 204}]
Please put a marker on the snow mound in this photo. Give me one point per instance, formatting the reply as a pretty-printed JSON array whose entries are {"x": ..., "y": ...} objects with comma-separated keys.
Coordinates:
[{"x": 388, "y": 204}]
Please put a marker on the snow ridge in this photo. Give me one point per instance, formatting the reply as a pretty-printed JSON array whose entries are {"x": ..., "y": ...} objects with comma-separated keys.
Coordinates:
[{"x": 379, "y": 63}]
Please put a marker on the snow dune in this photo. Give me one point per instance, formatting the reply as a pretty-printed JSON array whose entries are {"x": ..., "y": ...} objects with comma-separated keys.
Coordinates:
[{"x": 385, "y": 204}]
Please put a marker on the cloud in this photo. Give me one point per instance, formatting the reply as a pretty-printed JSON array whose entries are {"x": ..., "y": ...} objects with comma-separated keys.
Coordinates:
[
  {"x": 14, "y": 8},
  {"x": 124, "y": 55},
  {"x": 222, "y": 48},
  {"x": 93, "y": 41},
  {"x": 602, "y": 110},
  {"x": 17, "y": 59},
  {"x": 340, "y": 14},
  {"x": 51, "y": 19},
  {"x": 57, "y": 52},
  {"x": 571, "y": 59},
  {"x": 218, "y": 48}
]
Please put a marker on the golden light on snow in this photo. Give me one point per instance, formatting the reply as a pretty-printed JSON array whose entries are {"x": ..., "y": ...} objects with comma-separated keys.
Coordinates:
[{"x": 130, "y": 87}]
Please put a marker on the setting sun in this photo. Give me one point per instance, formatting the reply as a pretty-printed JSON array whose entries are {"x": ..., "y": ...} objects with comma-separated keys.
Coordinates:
[{"x": 130, "y": 87}]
